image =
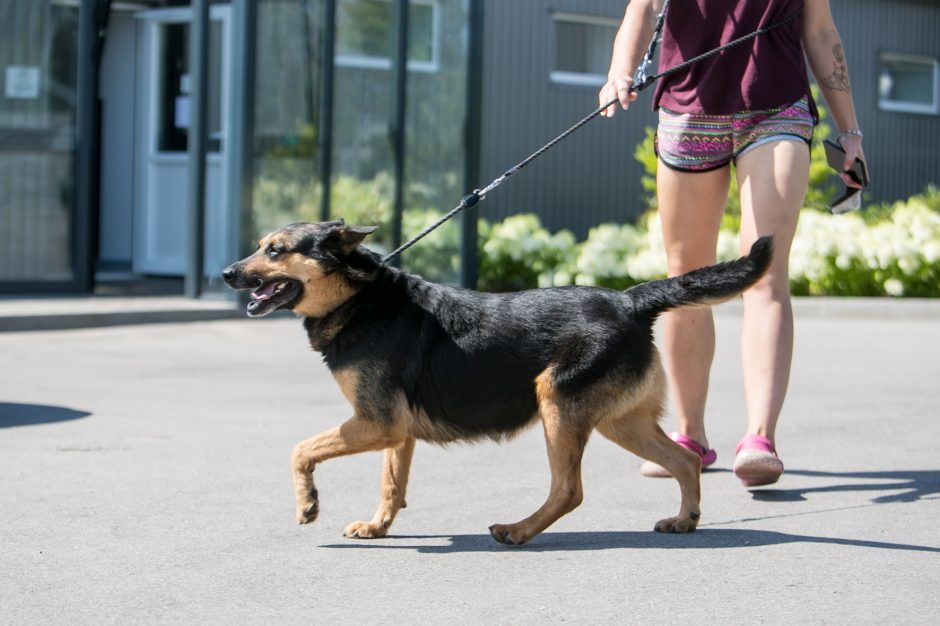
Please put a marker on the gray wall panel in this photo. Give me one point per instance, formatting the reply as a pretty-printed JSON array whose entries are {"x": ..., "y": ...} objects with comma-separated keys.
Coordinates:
[
  {"x": 589, "y": 178},
  {"x": 592, "y": 176},
  {"x": 901, "y": 147}
]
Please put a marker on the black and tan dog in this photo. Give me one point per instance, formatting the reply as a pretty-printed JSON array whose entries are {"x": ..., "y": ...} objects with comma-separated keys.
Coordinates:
[{"x": 419, "y": 360}]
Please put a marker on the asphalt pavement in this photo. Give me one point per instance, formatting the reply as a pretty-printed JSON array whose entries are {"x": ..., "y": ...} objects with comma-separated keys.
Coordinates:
[{"x": 144, "y": 478}]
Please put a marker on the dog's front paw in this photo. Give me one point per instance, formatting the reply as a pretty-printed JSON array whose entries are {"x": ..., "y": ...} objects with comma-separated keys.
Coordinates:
[
  {"x": 509, "y": 534},
  {"x": 308, "y": 508},
  {"x": 365, "y": 530},
  {"x": 680, "y": 524}
]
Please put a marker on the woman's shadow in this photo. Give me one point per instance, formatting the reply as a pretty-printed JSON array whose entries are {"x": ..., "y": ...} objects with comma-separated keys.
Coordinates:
[{"x": 905, "y": 485}]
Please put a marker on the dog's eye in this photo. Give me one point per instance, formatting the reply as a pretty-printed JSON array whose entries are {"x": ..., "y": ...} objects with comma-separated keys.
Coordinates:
[{"x": 273, "y": 253}]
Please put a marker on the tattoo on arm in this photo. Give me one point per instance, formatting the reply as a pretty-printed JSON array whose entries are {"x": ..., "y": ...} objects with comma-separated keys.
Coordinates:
[{"x": 838, "y": 80}]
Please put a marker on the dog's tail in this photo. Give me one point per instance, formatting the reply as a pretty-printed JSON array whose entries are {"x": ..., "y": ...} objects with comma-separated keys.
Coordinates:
[{"x": 706, "y": 286}]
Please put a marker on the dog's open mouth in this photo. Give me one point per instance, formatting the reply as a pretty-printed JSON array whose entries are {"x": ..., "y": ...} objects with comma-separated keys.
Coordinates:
[{"x": 273, "y": 295}]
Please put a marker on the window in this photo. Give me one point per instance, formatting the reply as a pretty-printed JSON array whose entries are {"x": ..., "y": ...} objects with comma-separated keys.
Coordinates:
[
  {"x": 366, "y": 34},
  {"x": 582, "y": 48},
  {"x": 908, "y": 83},
  {"x": 176, "y": 88}
]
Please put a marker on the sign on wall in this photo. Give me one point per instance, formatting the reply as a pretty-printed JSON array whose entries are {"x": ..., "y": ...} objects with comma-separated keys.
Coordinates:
[{"x": 22, "y": 82}]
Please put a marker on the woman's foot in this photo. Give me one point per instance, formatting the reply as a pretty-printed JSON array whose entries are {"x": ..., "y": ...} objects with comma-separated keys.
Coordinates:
[
  {"x": 708, "y": 456},
  {"x": 756, "y": 462}
]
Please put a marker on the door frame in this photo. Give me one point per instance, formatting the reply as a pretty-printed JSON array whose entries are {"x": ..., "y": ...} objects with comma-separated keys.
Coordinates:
[{"x": 146, "y": 126}]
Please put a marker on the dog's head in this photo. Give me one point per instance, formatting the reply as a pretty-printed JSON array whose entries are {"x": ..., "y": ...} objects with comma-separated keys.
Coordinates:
[{"x": 301, "y": 267}]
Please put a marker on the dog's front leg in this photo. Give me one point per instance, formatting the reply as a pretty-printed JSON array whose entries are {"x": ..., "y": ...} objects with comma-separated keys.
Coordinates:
[
  {"x": 355, "y": 435},
  {"x": 394, "y": 483}
]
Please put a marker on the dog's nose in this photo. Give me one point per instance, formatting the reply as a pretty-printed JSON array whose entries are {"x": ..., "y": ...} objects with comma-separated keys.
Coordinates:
[{"x": 228, "y": 274}]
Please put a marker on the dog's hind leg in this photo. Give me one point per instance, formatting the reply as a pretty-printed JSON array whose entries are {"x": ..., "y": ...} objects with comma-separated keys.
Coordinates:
[
  {"x": 565, "y": 439},
  {"x": 350, "y": 437},
  {"x": 638, "y": 431},
  {"x": 394, "y": 483}
]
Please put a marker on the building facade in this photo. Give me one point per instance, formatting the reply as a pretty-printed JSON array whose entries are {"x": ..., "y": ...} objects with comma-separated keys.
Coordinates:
[{"x": 378, "y": 111}]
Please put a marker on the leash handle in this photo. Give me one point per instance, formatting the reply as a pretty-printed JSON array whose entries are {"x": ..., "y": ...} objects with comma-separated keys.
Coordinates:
[{"x": 640, "y": 76}]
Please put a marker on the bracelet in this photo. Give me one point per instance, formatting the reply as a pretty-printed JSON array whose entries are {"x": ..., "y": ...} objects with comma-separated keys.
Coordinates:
[{"x": 855, "y": 132}]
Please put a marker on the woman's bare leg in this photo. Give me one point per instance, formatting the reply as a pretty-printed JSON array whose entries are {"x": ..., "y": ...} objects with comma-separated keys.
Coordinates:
[
  {"x": 691, "y": 205},
  {"x": 772, "y": 179}
]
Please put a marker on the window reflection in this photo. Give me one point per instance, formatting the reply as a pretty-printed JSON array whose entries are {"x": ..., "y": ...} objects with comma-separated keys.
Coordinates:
[{"x": 37, "y": 140}]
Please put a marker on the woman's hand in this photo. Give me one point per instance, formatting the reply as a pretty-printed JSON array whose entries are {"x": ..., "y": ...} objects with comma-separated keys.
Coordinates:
[
  {"x": 618, "y": 87},
  {"x": 852, "y": 144}
]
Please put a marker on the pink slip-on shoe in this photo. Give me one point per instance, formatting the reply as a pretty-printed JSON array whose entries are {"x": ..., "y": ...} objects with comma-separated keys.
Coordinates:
[
  {"x": 708, "y": 456},
  {"x": 756, "y": 462}
]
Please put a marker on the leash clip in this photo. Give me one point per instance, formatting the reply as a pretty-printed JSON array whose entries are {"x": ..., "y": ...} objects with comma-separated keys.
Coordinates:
[
  {"x": 640, "y": 76},
  {"x": 471, "y": 199}
]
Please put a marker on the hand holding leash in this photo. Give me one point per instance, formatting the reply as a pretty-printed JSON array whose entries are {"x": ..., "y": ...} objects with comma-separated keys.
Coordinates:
[
  {"x": 851, "y": 142},
  {"x": 618, "y": 89}
]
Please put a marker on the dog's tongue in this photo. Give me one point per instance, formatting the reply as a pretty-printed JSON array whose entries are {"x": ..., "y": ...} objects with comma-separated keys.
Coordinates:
[{"x": 264, "y": 292}]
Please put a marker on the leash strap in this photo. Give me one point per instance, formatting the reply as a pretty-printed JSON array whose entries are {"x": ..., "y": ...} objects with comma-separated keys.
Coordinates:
[
  {"x": 474, "y": 197},
  {"x": 640, "y": 76}
]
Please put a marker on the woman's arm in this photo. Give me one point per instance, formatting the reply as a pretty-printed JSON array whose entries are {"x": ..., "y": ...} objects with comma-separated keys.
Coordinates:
[
  {"x": 639, "y": 21},
  {"x": 823, "y": 48}
]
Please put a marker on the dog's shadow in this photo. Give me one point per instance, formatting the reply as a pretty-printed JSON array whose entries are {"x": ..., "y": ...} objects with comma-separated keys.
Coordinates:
[
  {"x": 903, "y": 487},
  {"x": 702, "y": 539}
]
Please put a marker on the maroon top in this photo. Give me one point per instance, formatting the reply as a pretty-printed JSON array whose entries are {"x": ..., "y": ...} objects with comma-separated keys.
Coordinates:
[{"x": 766, "y": 72}]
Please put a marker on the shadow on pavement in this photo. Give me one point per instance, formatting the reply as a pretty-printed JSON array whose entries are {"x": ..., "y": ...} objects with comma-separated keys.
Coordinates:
[
  {"x": 901, "y": 486},
  {"x": 15, "y": 414},
  {"x": 910, "y": 485},
  {"x": 607, "y": 540}
]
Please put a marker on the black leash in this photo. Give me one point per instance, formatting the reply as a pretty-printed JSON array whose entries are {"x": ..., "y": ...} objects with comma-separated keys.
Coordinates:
[{"x": 641, "y": 82}]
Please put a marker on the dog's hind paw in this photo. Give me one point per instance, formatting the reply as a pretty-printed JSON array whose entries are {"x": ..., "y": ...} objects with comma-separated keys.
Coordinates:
[
  {"x": 508, "y": 534},
  {"x": 681, "y": 524},
  {"x": 365, "y": 530}
]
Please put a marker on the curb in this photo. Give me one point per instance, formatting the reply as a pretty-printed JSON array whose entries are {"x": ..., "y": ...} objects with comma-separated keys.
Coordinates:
[
  {"x": 38, "y": 314},
  {"x": 68, "y": 314},
  {"x": 817, "y": 307}
]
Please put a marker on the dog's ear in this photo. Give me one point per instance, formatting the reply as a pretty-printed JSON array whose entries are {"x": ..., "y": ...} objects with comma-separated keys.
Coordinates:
[{"x": 344, "y": 239}]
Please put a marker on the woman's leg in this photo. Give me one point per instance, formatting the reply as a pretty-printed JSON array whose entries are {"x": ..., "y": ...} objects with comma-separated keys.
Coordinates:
[
  {"x": 772, "y": 179},
  {"x": 691, "y": 205}
]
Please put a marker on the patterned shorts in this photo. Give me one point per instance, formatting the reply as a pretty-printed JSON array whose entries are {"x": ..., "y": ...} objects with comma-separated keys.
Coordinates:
[{"x": 693, "y": 142}]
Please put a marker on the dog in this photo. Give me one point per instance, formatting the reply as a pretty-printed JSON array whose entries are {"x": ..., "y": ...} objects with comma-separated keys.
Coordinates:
[{"x": 419, "y": 360}]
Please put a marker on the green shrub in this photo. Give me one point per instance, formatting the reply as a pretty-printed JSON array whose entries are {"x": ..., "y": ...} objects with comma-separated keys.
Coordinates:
[{"x": 437, "y": 256}]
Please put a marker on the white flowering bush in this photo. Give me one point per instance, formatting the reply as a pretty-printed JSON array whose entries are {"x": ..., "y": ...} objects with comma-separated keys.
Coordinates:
[
  {"x": 518, "y": 253},
  {"x": 602, "y": 259},
  {"x": 842, "y": 255},
  {"x": 894, "y": 252},
  {"x": 621, "y": 255}
]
